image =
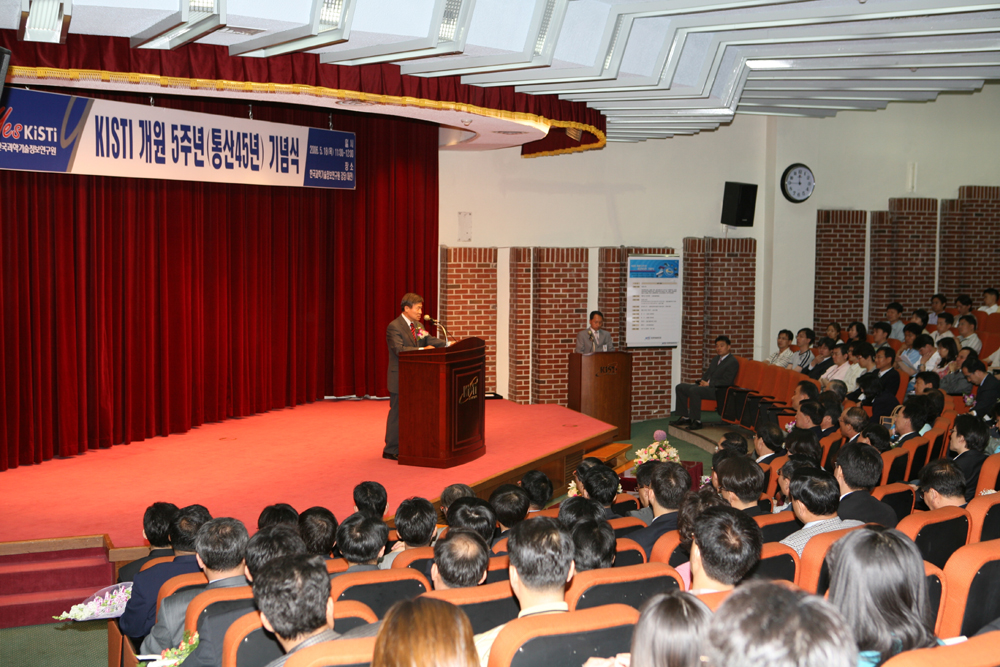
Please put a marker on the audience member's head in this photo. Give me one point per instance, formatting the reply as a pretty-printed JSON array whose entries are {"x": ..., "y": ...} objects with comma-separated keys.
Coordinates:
[
  {"x": 370, "y": 498},
  {"x": 810, "y": 414},
  {"x": 974, "y": 371},
  {"x": 990, "y": 296},
  {"x": 877, "y": 436},
  {"x": 601, "y": 484},
  {"x": 425, "y": 631},
  {"x": 910, "y": 334},
  {"x": 804, "y": 442},
  {"x": 576, "y": 509},
  {"x": 767, "y": 624},
  {"x": 970, "y": 434},
  {"x": 805, "y": 390},
  {"x": 461, "y": 559},
  {"x": 942, "y": 484},
  {"x": 804, "y": 338},
  {"x": 857, "y": 331},
  {"x": 815, "y": 495},
  {"x": 838, "y": 387},
  {"x": 967, "y": 325},
  {"x": 538, "y": 487},
  {"x": 824, "y": 346},
  {"x": 935, "y": 404},
  {"x": 643, "y": 478},
  {"x": 510, "y": 504},
  {"x": 270, "y": 543},
  {"x": 583, "y": 466},
  {"x": 770, "y": 439},
  {"x": 453, "y": 492},
  {"x": 733, "y": 441},
  {"x": 964, "y": 303},
  {"x": 185, "y": 526},
  {"x": 877, "y": 583},
  {"x": 475, "y": 514},
  {"x": 944, "y": 323},
  {"x": 718, "y": 457},
  {"x": 594, "y": 545},
  {"x": 833, "y": 331},
  {"x": 788, "y": 469},
  {"x": 831, "y": 412},
  {"x": 694, "y": 503},
  {"x": 939, "y": 302},
  {"x": 293, "y": 596},
  {"x": 741, "y": 481},
  {"x": 885, "y": 358},
  {"x": 926, "y": 380},
  {"x": 221, "y": 545},
  {"x": 541, "y": 558},
  {"x": 361, "y": 538},
  {"x": 415, "y": 522},
  {"x": 156, "y": 524},
  {"x": 880, "y": 332},
  {"x": 859, "y": 467},
  {"x": 670, "y": 482},
  {"x": 852, "y": 421},
  {"x": 894, "y": 311},
  {"x": 921, "y": 317},
  {"x": 671, "y": 632},
  {"x": 318, "y": 528},
  {"x": 727, "y": 545},
  {"x": 912, "y": 417},
  {"x": 272, "y": 515}
]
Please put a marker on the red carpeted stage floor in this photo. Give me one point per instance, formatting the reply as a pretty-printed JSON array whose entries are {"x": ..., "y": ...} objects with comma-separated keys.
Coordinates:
[{"x": 309, "y": 455}]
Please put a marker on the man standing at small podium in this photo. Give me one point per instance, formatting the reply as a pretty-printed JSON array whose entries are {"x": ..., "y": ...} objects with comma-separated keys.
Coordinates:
[
  {"x": 403, "y": 334},
  {"x": 594, "y": 339}
]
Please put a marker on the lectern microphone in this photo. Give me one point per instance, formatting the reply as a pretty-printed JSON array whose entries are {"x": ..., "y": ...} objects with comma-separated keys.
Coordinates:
[{"x": 428, "y": 318}]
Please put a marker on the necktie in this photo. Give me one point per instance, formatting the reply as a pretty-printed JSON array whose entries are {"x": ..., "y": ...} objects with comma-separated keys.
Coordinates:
[{"x": 413, "y": 330}]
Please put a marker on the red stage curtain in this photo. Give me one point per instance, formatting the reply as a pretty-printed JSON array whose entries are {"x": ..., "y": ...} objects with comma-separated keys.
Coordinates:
[{"x": 135, "y": 308}]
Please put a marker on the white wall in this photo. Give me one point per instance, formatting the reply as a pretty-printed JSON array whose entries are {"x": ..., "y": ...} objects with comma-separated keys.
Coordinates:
[{"x": 658, "y": 192}]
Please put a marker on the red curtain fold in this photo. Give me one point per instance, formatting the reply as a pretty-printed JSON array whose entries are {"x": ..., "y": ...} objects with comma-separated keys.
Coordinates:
[
  {"x": 214, "y": 62},
  {"x": 135, "y": 308}
]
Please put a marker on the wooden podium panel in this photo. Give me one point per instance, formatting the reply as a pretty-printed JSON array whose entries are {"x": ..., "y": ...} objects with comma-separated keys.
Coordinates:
[
  {"x": 442, "y": 406},
  {"x": 600, "y": 386}
]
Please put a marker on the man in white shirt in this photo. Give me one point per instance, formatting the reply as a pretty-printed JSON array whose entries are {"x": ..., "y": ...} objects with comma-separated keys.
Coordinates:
[
  {"x": 990, "y": 297},
  {"x": 893, "y": 313},
  {"x": 815, "y": 500},
  {"x": 839, "y": 369},
  {"x": 804, "y": 339},
  {"x": 967, "y": 333},
  {"x": 938, "y": 304},
  {"x": 541, "y": 564},
  {"x": 943, "y": 327},
  {"x": 783, "y": 357}
]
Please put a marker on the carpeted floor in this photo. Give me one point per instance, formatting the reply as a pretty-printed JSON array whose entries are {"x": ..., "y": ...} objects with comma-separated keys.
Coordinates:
[
  {"x": 57, "y": 645},
  {"x": 310, "y": 455},
  {"x": 642, "y": 435}
]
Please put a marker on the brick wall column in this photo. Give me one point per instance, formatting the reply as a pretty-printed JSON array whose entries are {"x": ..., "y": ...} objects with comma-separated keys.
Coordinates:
[
  {"x": 559, "y": 311},
  {"x": 970, "y": 242},
  {"x": 903, "y": 246},
  {"x": 519, "y": 330},
  {"x": 469, "y": 299},
  {"x": 839, "y": 294}
]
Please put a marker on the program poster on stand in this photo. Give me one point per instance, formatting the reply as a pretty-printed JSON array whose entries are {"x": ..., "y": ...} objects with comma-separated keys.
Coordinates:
[{"x": 654, "y": 301}]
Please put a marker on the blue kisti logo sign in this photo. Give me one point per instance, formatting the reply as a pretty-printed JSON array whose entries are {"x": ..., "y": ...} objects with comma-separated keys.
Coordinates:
[
  {"x": 653, "y": 267},
  {"x": 40, "y": 131}
]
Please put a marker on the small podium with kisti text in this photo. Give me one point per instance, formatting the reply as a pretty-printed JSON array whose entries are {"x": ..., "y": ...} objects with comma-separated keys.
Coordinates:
[
  {"x": 600, "y": 386},
  {"x": 442, "y": 405}
]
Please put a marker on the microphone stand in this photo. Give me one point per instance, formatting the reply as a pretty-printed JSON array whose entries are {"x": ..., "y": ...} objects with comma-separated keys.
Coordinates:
[{"x": 439, "y": 326}]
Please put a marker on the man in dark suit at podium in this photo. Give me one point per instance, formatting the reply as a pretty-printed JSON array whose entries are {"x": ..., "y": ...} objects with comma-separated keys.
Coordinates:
[
  {"x": 721, "y": 372},
  {"x": 594, "y": 339},
  {"x": 403, "y": 334}
]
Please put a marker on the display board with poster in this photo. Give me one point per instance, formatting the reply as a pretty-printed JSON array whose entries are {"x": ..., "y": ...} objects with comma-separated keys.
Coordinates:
[{"x": 653, "y": 315}]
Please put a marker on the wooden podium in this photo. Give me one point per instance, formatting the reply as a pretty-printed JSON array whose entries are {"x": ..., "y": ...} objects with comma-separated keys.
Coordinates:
[
  {"x": 600, "y": 386},
  {"x": 442, "y": 406}
]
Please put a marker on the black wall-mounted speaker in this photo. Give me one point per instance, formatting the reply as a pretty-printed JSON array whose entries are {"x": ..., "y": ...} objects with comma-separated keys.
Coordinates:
[{"x": 738, "y": 204}]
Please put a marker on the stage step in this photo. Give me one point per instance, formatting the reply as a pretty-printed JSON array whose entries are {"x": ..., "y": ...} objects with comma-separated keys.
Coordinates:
[
  {"x": 37, "y": 586},
  {"x": 708, "y": 436}
]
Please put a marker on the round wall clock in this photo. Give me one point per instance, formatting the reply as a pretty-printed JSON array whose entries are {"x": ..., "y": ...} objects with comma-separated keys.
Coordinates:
[{"x": 797, "y": 183}]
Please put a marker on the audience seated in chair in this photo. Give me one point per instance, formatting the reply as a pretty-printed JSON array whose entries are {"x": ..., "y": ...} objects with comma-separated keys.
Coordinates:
[
  {"x": 460, "y": 560},
  {"x": 804, "y": 442},
  {"x": 967, "y": 336},
  {"x": 539, "y": 489},
  {"x": 576, "y": 509},
  {"x": 784, "y": 357},
  {"x": 864, "y": 353},
  {"x": 415, "y": 521},
  {"x": 942, "y": 328},
  {"x": 938, "y": 304},
  {"x": 726, "y": 547},
  {"x": 425, "y": 631},
  {"x": 988, "y": 392},
  {"x": 220, "y": 548},
  {"x": 815, "y": 500},
  {"x": 293, "y": 595},
  {"x": 881, "y": 332},
  {"x": 942, "y": 484},
  {"x": 741, "y": 481},
  {"x": 278, "y": 513},
  {"x": 266, "y": 545},
  {"x": 990, "y": 297},
  {"x": 808, "y": 417},
  {"x": 875, "y": 396},
  {"x": 362, "y": 538},
  {"x": 156, "y": 530},
  {"x": 954, "y": 382},
  {"x": 693, "y": 504},
  {"x": 733, "y": 441},
  {"x": 370, "y": 498},
  {"x": 968, "y": 441},
  {"x": 764, "y": 623},
  {"x": 893, "y": 316},
  {"x": 140, "y": 611},
  {"x": 822, "y": 360},
  {"x": 318, "y": 528},
  {"x": 669, "y": 484},
  {"x": 721, "y": 372},
  {"x": 877, "y": 583},
  {"x": 593, "y": 545},
  {"x": 804, "y": 340},
  {"x": 838, "y": 369},
  {"x": 787, "y": 471},
  {"x": 541, "y": 564},
  {"x": 643, "y": 478},
  {"x": 475, "y": 514},
  {"x": 877, "y": 436},
  {"x": 852, "y": 422},
  {"x": 451, "y": 493},
  {"x": 600, "y": 483},
  {"x": 769, "y": 443},
  {"x": 858, "y": 472}
]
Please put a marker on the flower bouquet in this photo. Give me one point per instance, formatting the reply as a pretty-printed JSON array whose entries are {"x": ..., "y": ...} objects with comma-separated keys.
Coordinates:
[
  {"x": 789, "y": 426},
  {"x": 657, "y": 451},
  {"x": 106, "y": 603},
  {"x": 173, "y": 656},
  {"x": 970, "y": 399}
]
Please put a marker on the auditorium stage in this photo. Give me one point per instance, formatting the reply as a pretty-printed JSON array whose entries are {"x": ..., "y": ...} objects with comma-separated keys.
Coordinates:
[{"x": 309, "y": 455}]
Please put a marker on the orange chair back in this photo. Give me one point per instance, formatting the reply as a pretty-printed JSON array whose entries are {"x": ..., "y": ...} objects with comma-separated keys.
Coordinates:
[
  {"x": 778, "y": 561},
  {"x": 379, "y": 589},
  {"x": 664, "y": 547},
  {"x": 331, "y": 654},
  {"x": 973, "y": 574},
  {"x": 410, "y": 555},
  {"x": 174, "y": 584},
  {"x": 938, "y": 533},
  {"x": 240, "y": 628},
  {"x": 932, "y": 571},
  {"x": 813, "y": 556},
  {"x": 630, "y": 551},
  {"x": 552, "y": 512},
  {"x": 976, "y": 652},
  {"x": 633, "y": 584},
  {"x": 827, "y": 443},
  {"x": 777, "y": 527},
  {"x": 772, "y": 480},
  {"x": 205, "y": 598},
  {"x": 892, "y": 470},
  {"x": 335, "y": 565},
  {"x": 989, "y": 473},
  {"x": 714, "y": 599},
  {"x": 155, "y": 561},
  {"x": 500, "y": 547},
  {"x": 900, "y": 497},
  {"x": 919, "y": 449},
  {"x": 985, "y": 513}
]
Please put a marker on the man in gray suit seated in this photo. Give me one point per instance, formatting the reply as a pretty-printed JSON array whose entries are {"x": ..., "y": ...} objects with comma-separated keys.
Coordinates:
[
  {"x": 221, "y": 546},
  {"x": 594, "y": 339},
  {"x": 721, "y": 372}
]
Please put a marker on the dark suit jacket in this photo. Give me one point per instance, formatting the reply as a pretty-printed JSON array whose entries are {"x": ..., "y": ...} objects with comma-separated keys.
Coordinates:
[
  {"x": 400, "y": 339},
  {"x": 129, "y": 570},
  {"x": 829, "y": 431},
  {"x": 753, "y": 511},
  {"x": 140, "y": 612},
  {"x": 212, "y": 626},
  {"x": 721, "y": 372},
  {"x": 169, "y": 628},
  {"x": 770, "y": 457},
  {"x": 816, "y": 372},
  {"x": 610, "y": 514},
  {"x": 882, "y": 406},
  {"x": 987, "y": 396},
  {"x": 970, "y": 463},
  {"x": 890, "y": 382},
  {"x": 861, "y": 506},
  {"x": 646, "y": 537}
]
